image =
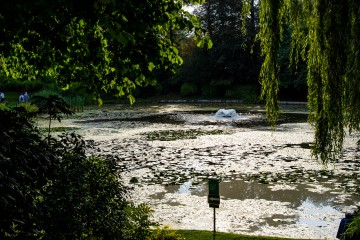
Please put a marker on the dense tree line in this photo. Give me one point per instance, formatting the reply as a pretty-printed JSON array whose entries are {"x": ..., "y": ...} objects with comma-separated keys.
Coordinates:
[
  {"x": 233, "y": 59},
  {"x": 230, "y": 69}
]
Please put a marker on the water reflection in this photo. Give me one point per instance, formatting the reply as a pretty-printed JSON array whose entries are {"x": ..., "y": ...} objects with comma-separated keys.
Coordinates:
[
  {"x": 295, "y": 194},
  {"x": 313, "y": 201},
  {"x": 311, "y": 208}
]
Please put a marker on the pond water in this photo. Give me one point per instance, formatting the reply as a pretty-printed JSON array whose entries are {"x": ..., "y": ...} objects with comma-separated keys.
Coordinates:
[{"x": 270, "y": 185}]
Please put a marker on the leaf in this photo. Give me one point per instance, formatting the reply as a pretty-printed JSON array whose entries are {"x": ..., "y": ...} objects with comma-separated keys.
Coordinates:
[
  {"x": 151, "y": 66},
  {"x": 209, "y": 44},
  {"x": 100, "y": 102},
  {"x": 200, "y": 43},
  {"x": 66, "y": 87}
]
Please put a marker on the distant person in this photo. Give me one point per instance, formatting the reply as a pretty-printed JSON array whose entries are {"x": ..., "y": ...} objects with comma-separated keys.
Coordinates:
[
  {"x": 2, "y": 97},
  {"x": 21, "y": 98},
  {"x": 26, "y": 97}
]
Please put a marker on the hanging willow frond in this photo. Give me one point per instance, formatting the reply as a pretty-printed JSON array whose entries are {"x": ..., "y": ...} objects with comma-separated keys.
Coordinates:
[
  {"x": 270, "y": 37},
  {"x": 325, "y": 34},
  {"x": 352, "y": 77},
  {"x": 326, "y": 68}
]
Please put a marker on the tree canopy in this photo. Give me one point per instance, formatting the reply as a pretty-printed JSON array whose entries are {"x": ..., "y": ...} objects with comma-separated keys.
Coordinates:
[
  {"x": 325, "y": 35},
  {"x": 106, "y": 45}
]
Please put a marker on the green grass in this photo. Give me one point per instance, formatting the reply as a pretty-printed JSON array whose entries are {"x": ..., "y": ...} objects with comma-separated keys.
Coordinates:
[{"x": 208, "y": 235}]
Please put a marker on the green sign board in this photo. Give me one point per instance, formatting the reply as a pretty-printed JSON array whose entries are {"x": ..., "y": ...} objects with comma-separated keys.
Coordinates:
[
  {"x": 213, "y": 187},
  {"x": 214, "y": 197}
]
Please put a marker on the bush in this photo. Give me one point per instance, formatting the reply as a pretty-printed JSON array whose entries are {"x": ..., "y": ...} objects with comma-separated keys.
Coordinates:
[
  {"x": 188, "y": 89},
  {"x": 165, "y": 233},
  {"x": 246, "y": 93},
  {"x": 353, "y": 230},
  {"x": 11, "y": 84},
  {"x": 52, "y": 190},
  {"x": 209, "y": 90},
  {"x": 31, "y": 109},
  {"x": 25, "y": 165},
  {"x": 76, "y": 103},
  {"x": 84, "y": 198},
  {"x": 46, "y": 93}
]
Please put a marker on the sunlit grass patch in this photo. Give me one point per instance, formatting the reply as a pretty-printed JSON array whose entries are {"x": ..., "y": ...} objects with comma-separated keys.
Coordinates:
[{"x": 206, "y": 235}]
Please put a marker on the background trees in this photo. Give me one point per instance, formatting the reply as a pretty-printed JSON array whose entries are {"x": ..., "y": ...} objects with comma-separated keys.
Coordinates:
[
  {"x": 230, "y": 69},
  {"x": 106, "y": 45},
  {"x": 233, "y": 59}
]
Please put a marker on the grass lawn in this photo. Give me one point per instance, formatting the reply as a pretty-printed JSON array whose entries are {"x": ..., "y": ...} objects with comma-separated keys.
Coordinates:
[{"x": 208, "y": 235}]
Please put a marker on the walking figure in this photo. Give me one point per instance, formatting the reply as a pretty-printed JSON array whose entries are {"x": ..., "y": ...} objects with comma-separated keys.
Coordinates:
[
  {"x": 26, "y": 97},
  {"x": 2, "y": 97},
  {"x": 21, "y": 98}
]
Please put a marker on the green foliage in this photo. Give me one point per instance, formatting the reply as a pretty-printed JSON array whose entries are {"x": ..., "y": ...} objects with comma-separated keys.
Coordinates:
[
  {"x": 53, "y": 190},
  {"x": 139, "y": 222},
  {"x": 209, "y": 90},
  {"x": 246, "y": 93},
  {"x": 10, "y": 84},
  {"x": 270, "y": 35},
  {"x": 326, "y": 78},
  {"x": 25, "y": 166},
  {"x": 165, "y": 233},
  {"x": 233, "y": 58},
  {"x": 172, "y": 135},
  {"x": 75, "y": 97},
  {"x": 188, "y": 89},
  {"x": 105, "y": 46},
  {"x": 325, "y": 34},
  {"x": 353, "y": 227},
  {"x": 76, "y": 103},
  {"x": 196, "y": 68},
  {"x": 46, "y": 93},
  {"x": 54, "y": 106},
  {"x": 29, "y": 108},
  {"x": 206, "y": 235},
  {"x": 84, "y": 198}
]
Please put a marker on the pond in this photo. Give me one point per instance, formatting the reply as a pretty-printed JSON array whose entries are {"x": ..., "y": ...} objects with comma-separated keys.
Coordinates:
[{"x": 270, "y": 185}]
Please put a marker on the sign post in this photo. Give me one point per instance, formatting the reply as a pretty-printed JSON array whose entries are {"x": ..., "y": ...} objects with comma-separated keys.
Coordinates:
[{"x": 214, "y": 198}]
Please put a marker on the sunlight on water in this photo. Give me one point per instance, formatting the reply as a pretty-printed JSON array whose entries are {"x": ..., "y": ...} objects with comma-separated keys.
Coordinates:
[{"x": 313, "y": 207}]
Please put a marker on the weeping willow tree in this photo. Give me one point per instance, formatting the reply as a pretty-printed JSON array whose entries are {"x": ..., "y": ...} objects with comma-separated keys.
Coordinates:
[{"x": 325, "y": 35}]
